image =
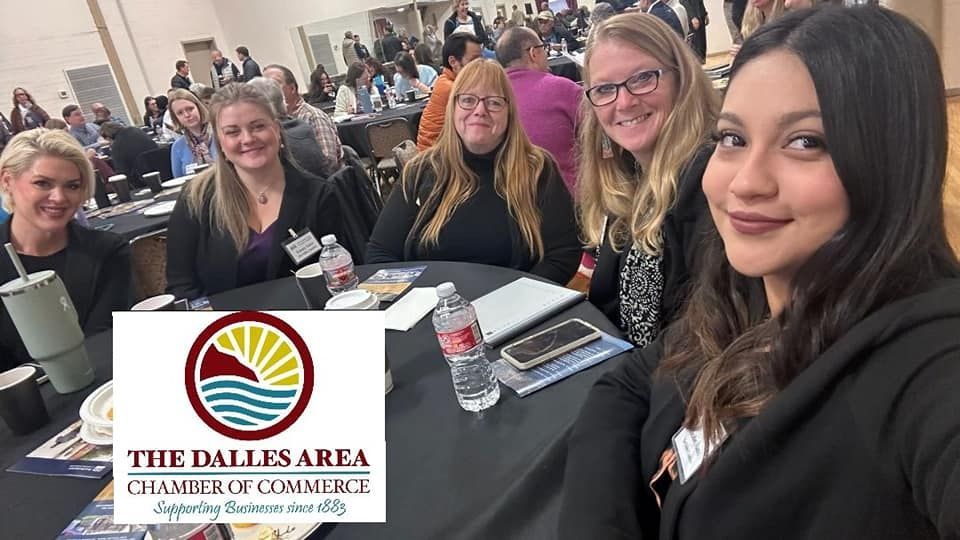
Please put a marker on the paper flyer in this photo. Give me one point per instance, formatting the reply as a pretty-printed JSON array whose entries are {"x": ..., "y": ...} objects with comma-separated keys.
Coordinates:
[
  {"x": 527, "y": 382},
  {"x": 66, "y": 454},
  {"x": 389, "y": 283}
]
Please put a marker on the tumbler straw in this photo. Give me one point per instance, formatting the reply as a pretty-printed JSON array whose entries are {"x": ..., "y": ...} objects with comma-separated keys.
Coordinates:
[{"x": 16, "y": 261}]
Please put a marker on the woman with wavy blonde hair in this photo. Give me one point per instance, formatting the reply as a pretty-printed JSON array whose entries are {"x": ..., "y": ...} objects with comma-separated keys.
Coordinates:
[
  {"x": 483, "y": 193},
  {"x": 644, "y": 145}
]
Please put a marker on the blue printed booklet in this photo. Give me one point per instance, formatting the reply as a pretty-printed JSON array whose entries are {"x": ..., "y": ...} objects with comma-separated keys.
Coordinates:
[
  {"x": 389, "y": 283},
  {"x": 96, "y": 521},
  {"x": 66, "y": 454},
  {"x": 527, "y": 382}
]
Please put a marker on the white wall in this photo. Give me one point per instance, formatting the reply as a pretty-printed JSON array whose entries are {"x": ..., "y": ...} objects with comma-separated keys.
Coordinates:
[
  {"x": 358, "y": 22},
  {"x": 950, "y": 46},
  {"x": 148, "y": 36},
  {"x": 265, "y": 26},
  {"x": 35, "y": 55}
]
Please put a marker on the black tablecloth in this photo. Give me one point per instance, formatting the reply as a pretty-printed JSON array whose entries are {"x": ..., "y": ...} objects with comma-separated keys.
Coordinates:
[
  {"x": 134, "y": 224},
  {"x": 354, "y": 132},
  {"x": 450, "y": 474},
  {"x": 564, "y": 67}
]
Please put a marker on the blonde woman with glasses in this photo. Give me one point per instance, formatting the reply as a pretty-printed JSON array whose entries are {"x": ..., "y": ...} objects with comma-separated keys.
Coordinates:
[
  {"x": 644, "y": 145},
  {"x": 483, "y": 193}
]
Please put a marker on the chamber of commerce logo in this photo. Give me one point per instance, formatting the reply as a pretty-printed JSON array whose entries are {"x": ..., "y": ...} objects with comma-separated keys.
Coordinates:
[{"x": 249, "y": 376}]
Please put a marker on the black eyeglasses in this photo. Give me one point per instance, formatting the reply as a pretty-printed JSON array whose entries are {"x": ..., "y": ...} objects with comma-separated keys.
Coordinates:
[
  {"x": 638, "y": 84},
  {"x": 543, "y": 46},
  {"x": 469, "y": 102}
]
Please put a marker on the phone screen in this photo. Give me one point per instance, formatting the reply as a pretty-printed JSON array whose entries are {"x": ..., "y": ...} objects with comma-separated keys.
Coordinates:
[{"x": 534, "y": 347}]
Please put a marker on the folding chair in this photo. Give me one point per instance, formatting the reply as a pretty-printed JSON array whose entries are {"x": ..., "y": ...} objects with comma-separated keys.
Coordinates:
[
  {"x": 149, "y": 257},
  {"x": 383, "y": 137},
  {"x": 156, "y": 160}
]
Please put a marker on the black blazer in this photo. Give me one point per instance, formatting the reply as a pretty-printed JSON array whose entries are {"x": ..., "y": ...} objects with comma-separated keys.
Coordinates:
[
  {"x": 96, "y": 272},
  {"x": 452, "y": 23},
  {"x": 202, "y": 261},
  {"x": 864, "y": 443},
  {"x": 680, "y": 241}
]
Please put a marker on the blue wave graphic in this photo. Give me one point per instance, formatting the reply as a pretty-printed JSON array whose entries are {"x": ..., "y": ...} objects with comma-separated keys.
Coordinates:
[
  {"x": 282, "y": 405},
  {"x": 237, "y": 421},
  {"x": 244, "y": 411},
  {"x": 246, "y": 404},
  {"x": 216, "y": 383}
]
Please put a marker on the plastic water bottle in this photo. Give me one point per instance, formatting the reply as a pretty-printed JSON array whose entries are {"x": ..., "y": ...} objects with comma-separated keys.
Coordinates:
[
  {"x": 455, "y": 321},
  {"x": 337, "y": 265},
  {"x": 563, "y": 45}
]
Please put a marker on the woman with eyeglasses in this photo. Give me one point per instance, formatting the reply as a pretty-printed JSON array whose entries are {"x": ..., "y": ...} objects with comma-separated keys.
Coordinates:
[
  {"x": 644, "y": 144},
  {"x": 483, "y": 193},
  {"x": 26, "y": 114},
  {"x": 809, "y": 390}
]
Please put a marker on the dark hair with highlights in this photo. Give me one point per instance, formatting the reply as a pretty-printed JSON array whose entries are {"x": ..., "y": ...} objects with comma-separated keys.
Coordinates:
[{"x": 884, "y": 120}]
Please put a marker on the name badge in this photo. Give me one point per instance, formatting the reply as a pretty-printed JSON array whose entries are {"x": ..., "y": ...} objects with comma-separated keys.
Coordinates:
[
  {"x": 691, "y": 449},
  {"x": 301, "y": 246}
]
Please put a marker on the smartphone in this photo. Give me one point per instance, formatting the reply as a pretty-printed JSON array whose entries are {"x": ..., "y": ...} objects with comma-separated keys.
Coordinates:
[{"x": 549, "y": 344}]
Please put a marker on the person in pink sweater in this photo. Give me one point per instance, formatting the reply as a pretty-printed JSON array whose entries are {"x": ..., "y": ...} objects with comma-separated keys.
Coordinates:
[{"x": 547, "y": 103}]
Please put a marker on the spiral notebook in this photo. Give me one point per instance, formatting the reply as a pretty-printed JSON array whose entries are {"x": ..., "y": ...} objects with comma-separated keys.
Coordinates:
[{"x": 519, "y": 306}]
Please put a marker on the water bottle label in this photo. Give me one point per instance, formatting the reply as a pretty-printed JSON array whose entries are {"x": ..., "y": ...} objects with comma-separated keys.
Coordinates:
[
  {"x": 460, "y": 341},
  {"x": 340, "y": 275}
]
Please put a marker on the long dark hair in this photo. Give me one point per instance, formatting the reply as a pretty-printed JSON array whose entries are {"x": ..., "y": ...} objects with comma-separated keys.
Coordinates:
[
  {"x": 884, "y": 118},
  {"x": 354, "y": 72}
]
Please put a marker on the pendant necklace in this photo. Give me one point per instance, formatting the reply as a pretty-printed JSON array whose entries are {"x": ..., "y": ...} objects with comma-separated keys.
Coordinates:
[{"x": 262, "y": 198}]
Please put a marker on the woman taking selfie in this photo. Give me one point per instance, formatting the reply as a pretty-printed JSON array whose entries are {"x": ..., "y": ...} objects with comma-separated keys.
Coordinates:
[
  {"x": 810, "y": 388},
  {"x": 644, "y": 144},
  {"x": 483, "y": 193},
  {"x": 190, "y": 118},
  {"x": 227, "y": 228},
  {"x": 45, "y": 178}
]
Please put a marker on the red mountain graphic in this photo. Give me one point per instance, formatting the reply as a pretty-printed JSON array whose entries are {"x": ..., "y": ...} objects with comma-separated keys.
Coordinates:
[{"x": 216, "y": 363}]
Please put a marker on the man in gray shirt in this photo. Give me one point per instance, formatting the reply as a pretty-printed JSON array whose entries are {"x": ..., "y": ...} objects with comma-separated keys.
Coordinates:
[{"x": 88, "y": 134}]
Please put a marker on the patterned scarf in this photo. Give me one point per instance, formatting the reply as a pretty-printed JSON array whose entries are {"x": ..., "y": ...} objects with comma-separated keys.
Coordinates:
[{"x": 200, "y": 145}]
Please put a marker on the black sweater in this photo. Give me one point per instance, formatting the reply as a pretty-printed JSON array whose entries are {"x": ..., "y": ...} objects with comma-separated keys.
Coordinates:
[
  {"x": 481, "y": 229},
  {"x": 864, "y": 443},
  {"x": 95, "y": 269},
  {"x": 202, "y": 260},
  {"x": 680, "y": 239}
]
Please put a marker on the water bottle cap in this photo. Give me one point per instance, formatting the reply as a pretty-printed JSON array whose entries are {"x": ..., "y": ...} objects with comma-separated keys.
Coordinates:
[
  {"x": 446, "y": 289},
  {"x": 328, "y": 239}
]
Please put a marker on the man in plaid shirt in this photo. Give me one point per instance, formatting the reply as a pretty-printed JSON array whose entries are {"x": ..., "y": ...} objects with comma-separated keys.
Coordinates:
[{"x": 323, "y": 126}]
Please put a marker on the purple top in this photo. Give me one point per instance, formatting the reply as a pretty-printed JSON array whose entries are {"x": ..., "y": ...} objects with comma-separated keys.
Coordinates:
[
  {"x": 548, "y": 111},
  {"x": 252, "y": 266}
]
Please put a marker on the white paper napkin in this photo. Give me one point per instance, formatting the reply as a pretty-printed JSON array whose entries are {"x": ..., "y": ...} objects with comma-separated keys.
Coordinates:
[{"x": 408, "y": 311}]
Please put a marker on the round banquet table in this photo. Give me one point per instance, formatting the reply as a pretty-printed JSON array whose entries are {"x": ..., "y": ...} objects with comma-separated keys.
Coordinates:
[
  {"x": 450, "y": 473},
  {"x": 564, "y": 67},
  {"x": 353, "y": 132}
]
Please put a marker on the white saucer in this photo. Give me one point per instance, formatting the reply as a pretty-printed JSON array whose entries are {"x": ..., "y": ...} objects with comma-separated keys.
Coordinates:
[
  {"x": 90, "y": 435},
  {"x": 179, "y": 181},
  {"x": 160, "y": 209}
]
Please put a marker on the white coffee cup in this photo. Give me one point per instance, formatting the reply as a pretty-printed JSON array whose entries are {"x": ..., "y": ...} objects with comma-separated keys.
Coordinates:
[
  {"x": 163, "y": 302},
  {"x": 356, "y": 299}
]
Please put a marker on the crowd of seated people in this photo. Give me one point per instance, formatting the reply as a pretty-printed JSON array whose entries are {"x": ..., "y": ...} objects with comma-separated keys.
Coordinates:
[{"x": 783, "y": 270}]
